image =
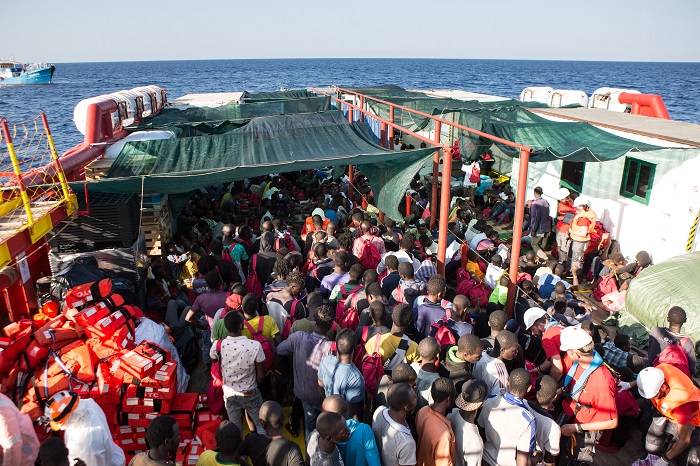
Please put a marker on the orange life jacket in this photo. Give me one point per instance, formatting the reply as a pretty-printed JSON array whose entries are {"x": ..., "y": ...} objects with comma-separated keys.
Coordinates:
[
  {"x": 580, "y": 232},
  {"x": 681, "y": 391}
]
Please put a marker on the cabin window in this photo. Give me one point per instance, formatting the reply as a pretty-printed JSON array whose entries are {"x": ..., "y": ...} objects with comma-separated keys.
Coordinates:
[
  {"x": 572, "y": 175},
  {"x": 637, "y": 180}
]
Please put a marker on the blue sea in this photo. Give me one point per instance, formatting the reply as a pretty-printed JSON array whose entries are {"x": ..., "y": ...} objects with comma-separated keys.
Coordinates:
[{"x": 677, "y": 83}]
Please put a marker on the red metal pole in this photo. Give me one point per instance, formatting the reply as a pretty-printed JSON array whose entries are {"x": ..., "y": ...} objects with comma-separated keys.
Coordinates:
[
  {"x": 362, "y": 106},
  {"x": 382, "y": 134},
  {"x": 391, "y": 128},
  {"x": 408, "y": 205},
  {"x": 350, "y": 116},
  {"x": 364, "y": 202},
  {"x": 436, "y": 162},
  {"x": 517, "y": 229},
  {"x": 444, "y": 209},
  {"x": 351, "y": 180}
]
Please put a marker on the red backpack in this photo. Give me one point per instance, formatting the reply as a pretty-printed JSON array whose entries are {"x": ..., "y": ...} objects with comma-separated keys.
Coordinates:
[
  {"x": 290, "y": 320},
  {"x": 373, "y": 369},
  {"x": 476, "y": 292},
  {"x": 444, "y": 332},
  {"x": 675, "y": 355},
  {"x": 215, "y": 391},
  {"x": 345, "y": 311},
  {"x": 226, "y": 253},
  {"x": 258, "y": 336},
  {"x": 360, "y": 351},
  {"x": 606, "y": 285},
  {"x": 252, "y": 282},
  {"x": 369, "y": 255}
]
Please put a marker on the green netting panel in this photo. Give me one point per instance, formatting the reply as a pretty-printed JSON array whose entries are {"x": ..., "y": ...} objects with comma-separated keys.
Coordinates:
[
  {"x": 664, "y": 285},
  {"x": 387, "y": 91},
  {"x": 266, "y": 145},
  {"x": 230, "y": 112},
  {"x": 250, "y": 97}
]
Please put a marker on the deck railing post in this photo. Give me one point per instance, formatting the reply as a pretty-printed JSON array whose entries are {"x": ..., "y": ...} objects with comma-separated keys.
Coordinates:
[
  {"x": 444, "y": 209},
  {"x": 391, "y": 128},
  {"x": 517, "y": 229},
  {"x": 54, "y": 157},
  {"x": 382, "y": 135},
  {"x": 436, "y": 161},
  {"x": 18, "y": 172}
]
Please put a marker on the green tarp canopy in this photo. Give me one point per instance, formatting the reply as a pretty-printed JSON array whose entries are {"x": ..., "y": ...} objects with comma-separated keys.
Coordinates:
[
  {"x": 662, "y": 286},
  {"x": 232, "y": 112},
  {"x": 249, "y": 97},
  {"x": 275, "y": 144}
]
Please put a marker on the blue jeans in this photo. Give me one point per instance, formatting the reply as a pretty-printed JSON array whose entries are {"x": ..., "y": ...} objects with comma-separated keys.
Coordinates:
[
  {"x": 235, "y": 405},
  {"x": 498, "y": 209},
  {"x": 311, "y": 413},
  {"x": 206, "y": 346}
]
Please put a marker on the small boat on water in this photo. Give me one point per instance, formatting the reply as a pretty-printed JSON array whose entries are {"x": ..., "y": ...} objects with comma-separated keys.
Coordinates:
[{"x": 13, "y": 72}]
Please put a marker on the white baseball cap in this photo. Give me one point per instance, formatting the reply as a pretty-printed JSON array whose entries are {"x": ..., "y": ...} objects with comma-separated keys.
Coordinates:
[
  {"x": 573, "y": 338},
  {"x": 649, "y": 382},
  {"x": 562, "y": 194},
  {"x": 532, "y": 315},
  {"x": 582, "y": 200}
]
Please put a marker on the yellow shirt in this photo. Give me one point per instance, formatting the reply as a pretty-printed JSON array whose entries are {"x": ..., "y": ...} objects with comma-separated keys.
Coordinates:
[
  {"x": 269, "y": 329},
  {"x": 209, "y": 458},
  {"x": 388, "y": 345},
  {"x": 473, "y": 267}
]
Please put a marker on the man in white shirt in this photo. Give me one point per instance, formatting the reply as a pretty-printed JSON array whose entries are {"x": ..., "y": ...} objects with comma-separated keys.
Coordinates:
[
  {"x": 491, "y": 368},
  {"x": 391, "y": 431},
  {"x": 548, "y": 431},
  {"x": 468, "y": 443},
  {"x": 403, "y": 254},
  {"x": 510, "y": 427},
  {"x": 242, "y": 368}
]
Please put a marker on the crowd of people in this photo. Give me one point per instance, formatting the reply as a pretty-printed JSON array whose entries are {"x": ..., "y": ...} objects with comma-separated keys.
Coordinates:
[{"x": 307, "y": 298}]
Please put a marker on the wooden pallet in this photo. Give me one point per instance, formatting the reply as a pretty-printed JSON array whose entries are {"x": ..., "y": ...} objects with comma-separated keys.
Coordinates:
[{"x": 156, "y": 224}]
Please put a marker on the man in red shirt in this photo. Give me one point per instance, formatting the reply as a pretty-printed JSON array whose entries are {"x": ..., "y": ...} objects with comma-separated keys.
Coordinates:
[
  {"x": 589, "y": 397},
  {"x": 565, "y": 213},
  {"x": 551, "y": 341},
  {"x": 674, "y": 395}
]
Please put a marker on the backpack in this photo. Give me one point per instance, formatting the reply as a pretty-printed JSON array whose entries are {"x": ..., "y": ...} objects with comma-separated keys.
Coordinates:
[
  {"x": 290, "y": 320},
  {"x": 373, "y": 369},
  {"x": 226, "y": 254},
  {"x": 369, "y": 255},
  {"x": 444, "y": 332},
  {"x": 476, "y": 292},
  {"x": 475, "y": 175},
  {"x": 252, "y": 283},
  {"x": 675, "y": 355},
  {"x": 360, "y": 351},
  {"x": 289, "y": 243},
  {"x": 215, "y": 391},
  {"x": 606, "y": 285},
  {"x": 345, "y": 311},
  {"x": 187, "y": 347},
  {"x": 258, "y": 336}
]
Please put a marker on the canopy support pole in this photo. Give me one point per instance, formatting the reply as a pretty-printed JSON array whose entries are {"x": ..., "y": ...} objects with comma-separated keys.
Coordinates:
[
  {"x": 436, "y": 161},
  {"x": 517, "y": 229},
  {"x": 444, "y": 209},
  {"x": 391, "y": 127},
  {"x": 351, "y": 180}
]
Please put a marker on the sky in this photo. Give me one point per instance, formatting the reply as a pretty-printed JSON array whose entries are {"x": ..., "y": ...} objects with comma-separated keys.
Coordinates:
[{"x": 96, "y": 30}]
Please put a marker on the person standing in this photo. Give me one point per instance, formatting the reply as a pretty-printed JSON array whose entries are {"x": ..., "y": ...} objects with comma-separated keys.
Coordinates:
[
  {"x": 540, "y": 223},
  {"x": 436, "y": 439},
  {"x": 468, "y": 442},
  {"x": 207, "y": 304},
  {"x": 242, "y": 368},
  {"x": 510, "y": 428},
  {"x": 323, "y": 443},
  {"x": 85, "y": 428},
  {"x": 308, "y": 350},
  {"x": 589, "y": 406},
  {"x": 661, "y": 338},
  {"x": 491, "y": 368},
  {"x": 19, "y": 444},
  {"x": 271, "y": 449},
  {"x": 565, "y": 213},
  {"x": 163, "y": 436},
  {"x": 580, "y": 230},
  {"x": 391, "y": 432},
  {"x": 360, "y": 449},
  {"x": 337, "y": 375}
]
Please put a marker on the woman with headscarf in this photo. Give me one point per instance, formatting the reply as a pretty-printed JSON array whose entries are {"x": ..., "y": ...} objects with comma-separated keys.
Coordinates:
[{"x": 266, "y": 258}]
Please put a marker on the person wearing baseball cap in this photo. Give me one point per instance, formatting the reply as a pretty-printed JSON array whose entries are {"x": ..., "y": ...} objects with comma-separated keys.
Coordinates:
[
  {"x": 580, "y": 230},
  {"x": 565, "y": 213},
  {"x": 589, "y": 402},
  {"x": 469, "y": 445},
  {"x": 86, "y": 432},
  {"x": 677, "y": 399}
]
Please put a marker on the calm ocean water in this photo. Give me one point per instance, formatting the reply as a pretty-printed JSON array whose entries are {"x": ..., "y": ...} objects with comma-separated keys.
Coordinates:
[{"x": 677, "y": 83}]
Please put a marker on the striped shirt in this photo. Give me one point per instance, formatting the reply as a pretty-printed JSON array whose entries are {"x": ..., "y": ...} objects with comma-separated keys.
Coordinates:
[{"x": 492, "y": 371}]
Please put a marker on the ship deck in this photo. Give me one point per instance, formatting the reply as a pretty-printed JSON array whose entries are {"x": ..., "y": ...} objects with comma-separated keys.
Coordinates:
[
  {"x": 678, "y": 132},
  {"x": 11, "y": 224}
]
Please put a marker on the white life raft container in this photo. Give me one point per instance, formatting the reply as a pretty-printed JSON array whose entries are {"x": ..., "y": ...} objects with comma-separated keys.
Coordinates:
[
  {"x": 565, "y": 97},
  {"x": 608, "y": 98},
  {"x": 536, "y": 94}
]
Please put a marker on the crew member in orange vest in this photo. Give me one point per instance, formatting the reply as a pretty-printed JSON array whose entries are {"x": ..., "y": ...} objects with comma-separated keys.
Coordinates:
[
  {"x": 675, "y": 396},
  {"x": 580, "y": 230}
]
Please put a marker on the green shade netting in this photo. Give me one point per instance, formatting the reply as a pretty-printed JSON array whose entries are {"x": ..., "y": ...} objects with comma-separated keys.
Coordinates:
[
  {"x": 290, "y": 94},
  {"x": 266, "y": 145},
  {"x": 214, "y": 116},
  {"x": 662, "y": 286}
]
